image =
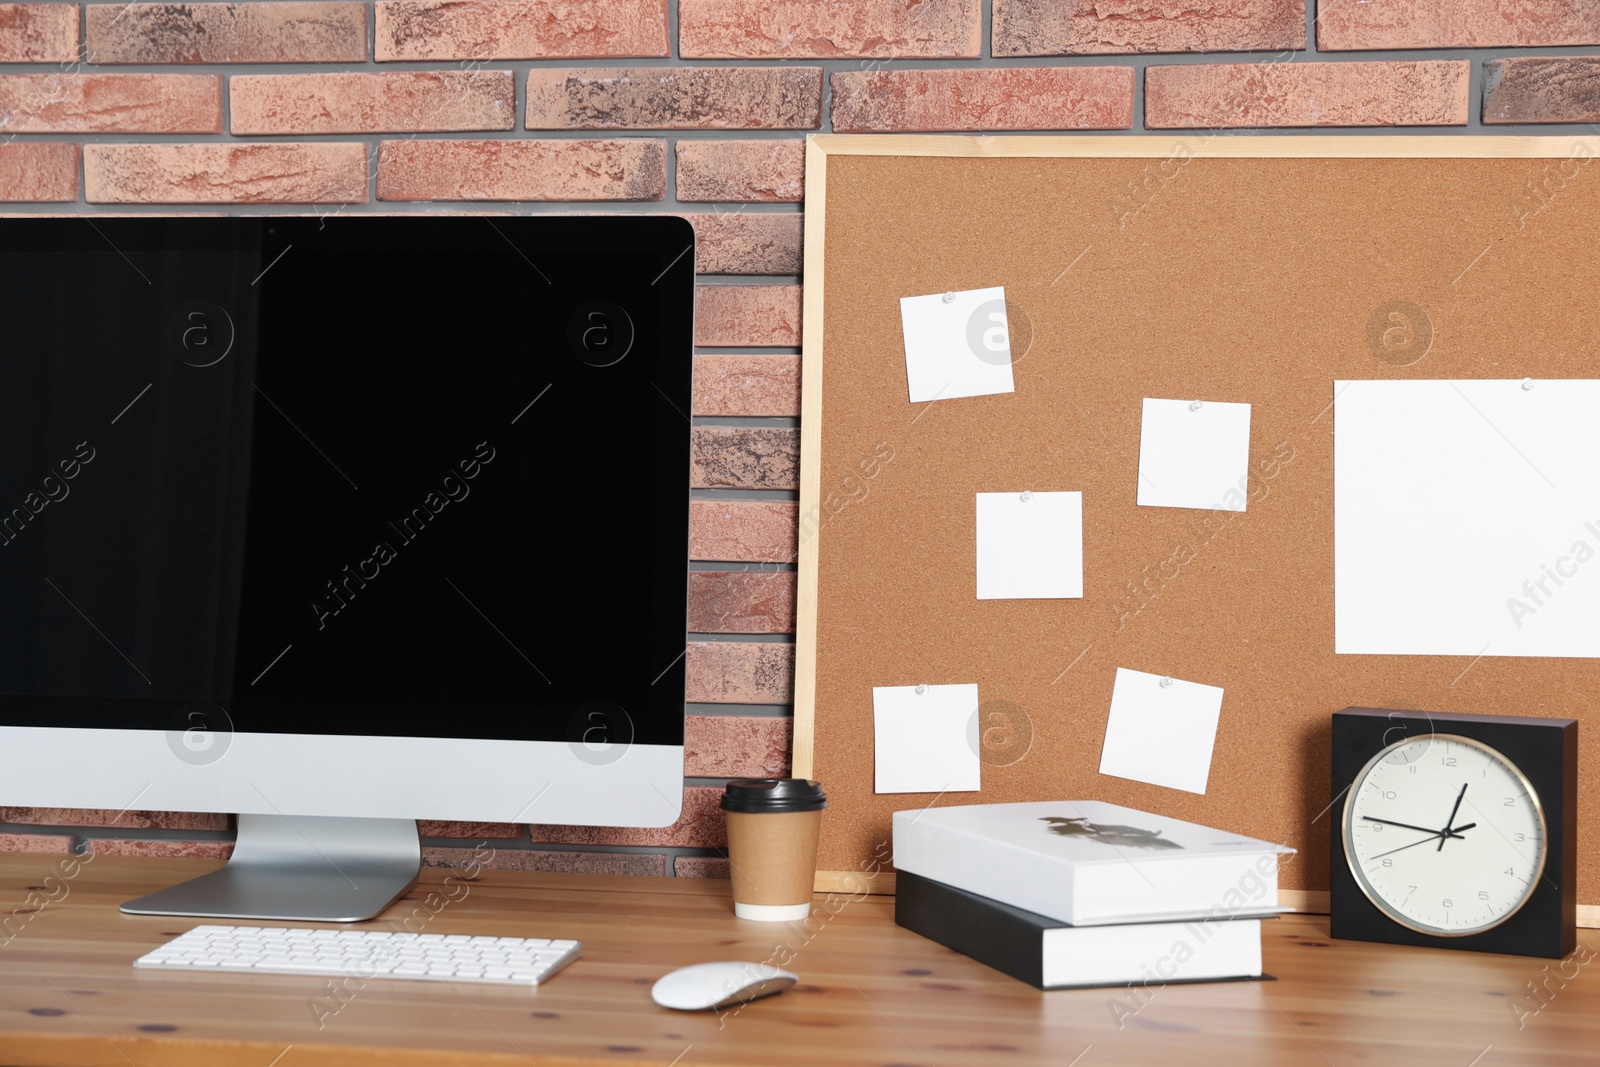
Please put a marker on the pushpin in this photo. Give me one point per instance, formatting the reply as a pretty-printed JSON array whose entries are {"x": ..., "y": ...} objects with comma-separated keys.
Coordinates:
[
  {"x": 921, "y": 689},
  {"x": 1527, "y": 383},
  {"x": 949, "y": 298},
  {"x": 1027, "y": 495},
  {"x": 1194, "y": 405},
  {"x": 1166, "y": 683}
]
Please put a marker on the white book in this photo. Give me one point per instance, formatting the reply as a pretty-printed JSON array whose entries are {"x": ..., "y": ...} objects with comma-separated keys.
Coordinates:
[
  {"x": 1087, "y": 863},
  {"x": 1049, "y": 955},
  {"x": 1152, "y": 953}
]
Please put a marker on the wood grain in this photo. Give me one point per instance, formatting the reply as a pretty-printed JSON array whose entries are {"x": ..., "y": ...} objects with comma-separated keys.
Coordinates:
[
  {"x": 1229, "y": 268},
  {"x": 870, "y": 993}
]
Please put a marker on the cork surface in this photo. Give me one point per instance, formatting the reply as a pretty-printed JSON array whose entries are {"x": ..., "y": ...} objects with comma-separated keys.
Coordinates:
[{"x": 1255, "y": 280}]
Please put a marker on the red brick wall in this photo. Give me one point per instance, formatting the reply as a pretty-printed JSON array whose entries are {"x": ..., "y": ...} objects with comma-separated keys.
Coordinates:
[{"x": 697, "y": 106}]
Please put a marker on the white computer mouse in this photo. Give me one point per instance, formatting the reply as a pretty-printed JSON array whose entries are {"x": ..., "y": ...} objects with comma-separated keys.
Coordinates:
[{"x": 705, "y": 986}]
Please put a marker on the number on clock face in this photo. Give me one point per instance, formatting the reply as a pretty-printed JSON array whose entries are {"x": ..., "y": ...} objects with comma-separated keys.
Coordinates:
[{"x": 1444, "y": 834}]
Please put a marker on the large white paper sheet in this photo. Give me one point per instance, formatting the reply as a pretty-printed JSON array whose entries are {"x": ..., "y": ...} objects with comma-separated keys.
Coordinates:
[{"x": 1467, "y": 517}]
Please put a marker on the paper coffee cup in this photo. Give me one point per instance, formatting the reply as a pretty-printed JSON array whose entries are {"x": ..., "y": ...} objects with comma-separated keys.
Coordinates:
[{"x": 773, "y": 825}]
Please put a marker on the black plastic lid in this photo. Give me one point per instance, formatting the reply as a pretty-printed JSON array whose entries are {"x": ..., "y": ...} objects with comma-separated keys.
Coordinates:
[{"x": 766, "y": 796}]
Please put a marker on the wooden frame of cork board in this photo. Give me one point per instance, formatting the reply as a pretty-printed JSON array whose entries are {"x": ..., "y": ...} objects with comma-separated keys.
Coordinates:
[{"x": 1254, "y": 269}]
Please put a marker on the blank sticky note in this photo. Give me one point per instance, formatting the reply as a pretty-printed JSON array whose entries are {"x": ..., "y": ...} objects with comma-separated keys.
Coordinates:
[
  {"x": 1194, "y": 454},
  {"x": 1030, "y": 546},
  {"x": 1466, "y": 518},
  {"x": 1161, "y": 734},
  {"x": 925, "y": 742},
  {"x": 957, "y": 347}
]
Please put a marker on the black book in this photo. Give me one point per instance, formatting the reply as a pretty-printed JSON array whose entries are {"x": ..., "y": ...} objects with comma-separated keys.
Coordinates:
[{"x": 1050, "y": 954}]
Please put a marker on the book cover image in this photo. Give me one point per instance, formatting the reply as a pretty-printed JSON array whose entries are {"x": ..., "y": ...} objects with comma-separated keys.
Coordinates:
[{"x": 1107, "y": 833}]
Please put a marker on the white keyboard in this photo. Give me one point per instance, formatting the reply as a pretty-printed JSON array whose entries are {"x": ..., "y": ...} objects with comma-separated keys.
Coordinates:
[{"x": 524, "y": 961}]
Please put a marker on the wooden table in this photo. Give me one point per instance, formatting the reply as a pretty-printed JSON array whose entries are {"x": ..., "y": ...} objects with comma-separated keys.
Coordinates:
[{"x": 870, "y": 993}]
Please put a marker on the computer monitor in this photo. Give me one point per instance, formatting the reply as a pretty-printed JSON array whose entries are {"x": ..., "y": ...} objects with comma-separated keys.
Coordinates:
[{"x": 340, "y": 523}]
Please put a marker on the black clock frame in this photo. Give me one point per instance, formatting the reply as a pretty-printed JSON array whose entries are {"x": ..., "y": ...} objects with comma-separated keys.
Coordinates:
[{"x": 1545, "y": 750}]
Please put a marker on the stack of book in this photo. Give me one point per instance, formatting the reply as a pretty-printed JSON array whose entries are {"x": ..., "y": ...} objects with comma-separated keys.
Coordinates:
[{"x": 1067, "y": 894}]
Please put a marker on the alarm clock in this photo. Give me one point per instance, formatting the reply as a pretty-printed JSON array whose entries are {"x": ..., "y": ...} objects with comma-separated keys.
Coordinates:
[{"x": 1455, "y": 831}]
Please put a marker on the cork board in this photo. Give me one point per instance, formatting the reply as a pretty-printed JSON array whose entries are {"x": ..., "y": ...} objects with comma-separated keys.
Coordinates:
[{"x": 1253, "y": 269}]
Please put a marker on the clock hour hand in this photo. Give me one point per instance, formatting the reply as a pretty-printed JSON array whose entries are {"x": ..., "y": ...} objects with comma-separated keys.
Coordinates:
[
  {"x": 1405, "y": 825},
  {"x": 1451, "y": 821}
]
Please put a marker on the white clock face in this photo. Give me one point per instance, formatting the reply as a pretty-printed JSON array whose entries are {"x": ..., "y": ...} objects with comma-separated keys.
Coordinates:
[{"x": 1444, "y": 834}]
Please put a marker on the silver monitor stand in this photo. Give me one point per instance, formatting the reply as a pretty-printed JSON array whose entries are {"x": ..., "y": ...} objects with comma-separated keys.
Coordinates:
[{"x": 303, "y": 867}]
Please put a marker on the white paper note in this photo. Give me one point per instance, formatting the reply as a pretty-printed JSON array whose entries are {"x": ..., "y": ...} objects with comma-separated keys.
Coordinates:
[
  {"x": 1161, "y": 734},
  {"x": 925, "y": 742},
  {"x": 1194, "y": 454},
  {"x": 1030, "y": 546},
  {"x": 1466, "y": 517},
  {"x": 957, "y": 347}
]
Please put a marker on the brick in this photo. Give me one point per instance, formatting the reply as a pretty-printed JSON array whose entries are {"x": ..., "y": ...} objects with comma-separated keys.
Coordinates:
[
  {"x": 736, "y": 746},
  {"x": 1342, "y": 24},
  {"x": 38, "y": 33},
  {"x": 700, "y": 867},
  {"x": 1541, "y": 89},
  {"x": 111, "y": 103},
  {"x": 751, "y": 386},
  {"x": 225, "y": 173},
  {"x": 391, "y": 102},
  {"x": 987, "y": 98},
  {"x": 1432, "y": 93},
  {"x": 480, "y": 831},
  {"x": 127, "y": 820},
  {"x": 674, "y": 98},
  {"x": 738, "y": 672},
  {"x": 743, "y": 531},
  {"x": 739, "y": 243},
  {"x": 542, "y": 29},
  {"x": 895, "y": 29},
  {"x": 522, "y": 170},
  {"x": 204, "y": 850},
  {"x": 744, "y": 457},
  {"x": 747, "y": 315},
  {"x": 741, "y": 171},
  {"x": 550, "y": 860},
  {"x": 1119, "y": 27},
  {"x": 699, "y": 826},
  {"x": 36, "y": 172},
  {"x": 266, "y": 32},
  {"x": 56, "y": 844},
  {"x": 741, "y": 602}
]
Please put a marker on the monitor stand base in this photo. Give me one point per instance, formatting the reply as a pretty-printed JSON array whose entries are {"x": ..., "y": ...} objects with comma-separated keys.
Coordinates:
[{"x": 312, "y": 868}]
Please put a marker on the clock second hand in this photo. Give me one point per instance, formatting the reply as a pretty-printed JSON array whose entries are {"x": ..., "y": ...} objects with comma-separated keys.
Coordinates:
[{"x": 1440, "y": 835}]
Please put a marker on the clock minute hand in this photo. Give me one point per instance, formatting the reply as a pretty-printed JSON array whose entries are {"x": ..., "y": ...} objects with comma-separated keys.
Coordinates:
[
  {"x": 1451, "y": 821},
  {"x": 1406, "y": 825}
]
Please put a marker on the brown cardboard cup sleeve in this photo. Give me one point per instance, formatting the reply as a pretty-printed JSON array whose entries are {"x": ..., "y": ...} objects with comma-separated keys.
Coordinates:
[{"x": 773, "y": 825}]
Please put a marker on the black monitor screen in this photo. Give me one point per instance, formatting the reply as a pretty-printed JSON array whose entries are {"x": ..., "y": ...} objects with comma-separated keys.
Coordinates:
[{"x": 408, "y": 476}]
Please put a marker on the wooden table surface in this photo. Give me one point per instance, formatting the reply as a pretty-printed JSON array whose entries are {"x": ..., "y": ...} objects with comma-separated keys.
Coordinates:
[{"x": 870, "y": 992}]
